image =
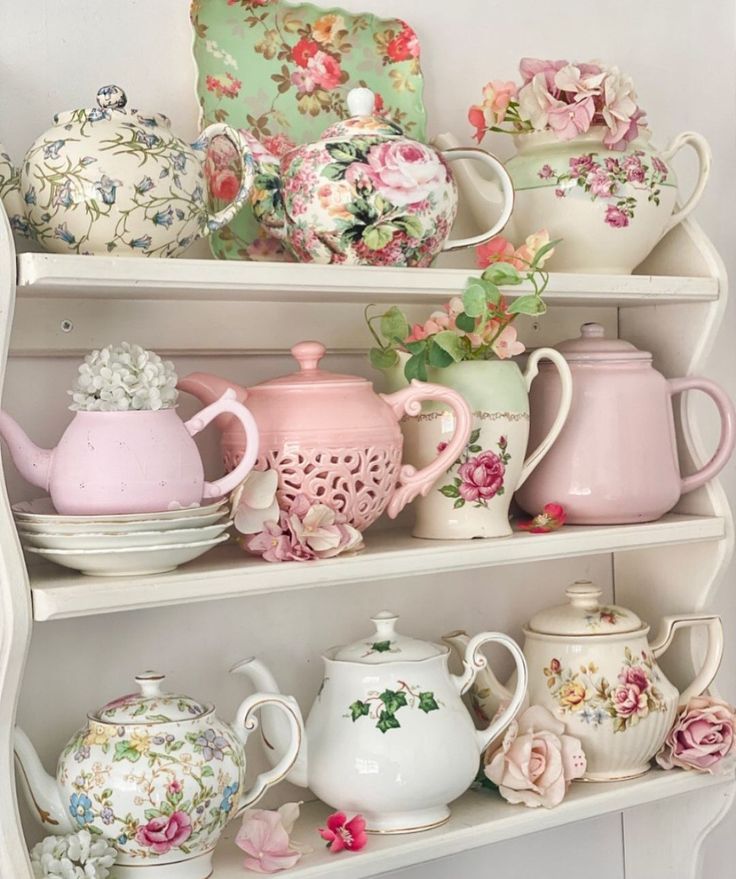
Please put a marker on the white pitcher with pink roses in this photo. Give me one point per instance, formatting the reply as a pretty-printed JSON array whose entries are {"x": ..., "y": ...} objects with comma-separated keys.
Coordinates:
[{"x": 468, "y": 346}]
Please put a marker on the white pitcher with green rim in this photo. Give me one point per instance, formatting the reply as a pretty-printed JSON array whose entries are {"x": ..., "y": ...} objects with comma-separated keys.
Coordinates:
[{"x": 472, "y": 499}]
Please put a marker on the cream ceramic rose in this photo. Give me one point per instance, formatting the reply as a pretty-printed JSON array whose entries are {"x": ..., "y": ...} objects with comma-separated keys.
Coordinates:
[
  {"x": 536, "y": 760},
  {"x": 703, "y": 737}
]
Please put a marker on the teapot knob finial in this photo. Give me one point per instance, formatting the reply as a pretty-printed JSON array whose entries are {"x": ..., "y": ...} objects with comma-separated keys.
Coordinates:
[
  {"x": 150, "y": 683},
  {"x": 385, "y": 623},
  {"x": 361, "y": 102},
  {"x": 592, "y": 330},
  {"x": 111, "y": 97},
  {"x": 584, "y": 593},
  {"x": 308, "y": 354}
]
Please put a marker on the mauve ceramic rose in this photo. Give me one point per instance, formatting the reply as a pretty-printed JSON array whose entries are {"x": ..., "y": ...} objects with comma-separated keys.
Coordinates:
[
  {"x": 164, "y": 833},
  {"x": 702, "y": 737},
  {"x": 405, "y": 172},
  {"x": 536, "y": 761}
]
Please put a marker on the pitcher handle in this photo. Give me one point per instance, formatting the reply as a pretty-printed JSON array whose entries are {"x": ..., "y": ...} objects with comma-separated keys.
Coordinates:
[
  {"x": 728, "y": 428},
  {"x": 713, "y": 656},
  {"x": 411, "y": 481},
  {"x": 507, "y": 194},
  {"x": 228, "y": 403},
  {"x": 703, "y": 152},
  {"x": 532, "y": 370},
  {"x": 246, "y": 723},
  {"x": 475, "y": 662},
  {"x": 218, "y": 219}
]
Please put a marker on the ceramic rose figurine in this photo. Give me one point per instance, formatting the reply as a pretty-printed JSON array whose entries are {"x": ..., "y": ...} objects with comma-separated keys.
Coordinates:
[{"x": 366, "y": 194}]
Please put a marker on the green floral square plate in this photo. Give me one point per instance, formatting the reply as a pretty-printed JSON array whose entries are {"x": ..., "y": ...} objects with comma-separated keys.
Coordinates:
[{"x": 282, "y": 71}]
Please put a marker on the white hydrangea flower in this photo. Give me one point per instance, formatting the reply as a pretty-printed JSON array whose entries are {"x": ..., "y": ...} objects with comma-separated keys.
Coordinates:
[
  {"x": 77, "y": 856},
  {"x": 123, "y": 377}
]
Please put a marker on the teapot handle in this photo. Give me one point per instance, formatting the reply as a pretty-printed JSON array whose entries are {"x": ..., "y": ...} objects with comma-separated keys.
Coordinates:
[
  {"x": 666, "y": 633},
  {"x": 474, "y": 662},
  {"x": 728, "y": 428},
  {"x": 246, "y": 723},
  {"x": 703, "y": 152},
  {"x": 411, "y": 481},
  {"x": 507, "y": 194},
  {"x": 563, "y": 410},
  {"x": 218, "y": 219},
  {"x": 228, "y": 403}
]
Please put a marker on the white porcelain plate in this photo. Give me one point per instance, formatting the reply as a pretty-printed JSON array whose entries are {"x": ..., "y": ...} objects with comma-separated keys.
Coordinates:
[
  {"x": 127, "y": 562},
  {"x": 124, "y": 539}
]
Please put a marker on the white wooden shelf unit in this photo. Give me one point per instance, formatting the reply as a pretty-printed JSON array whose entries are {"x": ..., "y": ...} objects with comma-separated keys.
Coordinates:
[{"x": 673, "y": 307}]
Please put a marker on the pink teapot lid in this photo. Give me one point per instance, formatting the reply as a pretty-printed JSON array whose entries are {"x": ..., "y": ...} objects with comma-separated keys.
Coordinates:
[
  {"x": 308, "y": 356},
  {"x": 592, "y": 344}
]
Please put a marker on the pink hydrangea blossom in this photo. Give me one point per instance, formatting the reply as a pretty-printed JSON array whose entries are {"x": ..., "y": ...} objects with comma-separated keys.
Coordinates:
[{"x": 264, "y": 837}]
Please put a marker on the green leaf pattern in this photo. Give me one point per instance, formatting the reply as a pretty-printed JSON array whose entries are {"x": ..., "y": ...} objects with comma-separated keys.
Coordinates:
[{"x": 383, "y": 707}]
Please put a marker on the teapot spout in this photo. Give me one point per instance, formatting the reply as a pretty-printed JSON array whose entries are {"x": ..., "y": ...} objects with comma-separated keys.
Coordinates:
[
  {"x": 33, "y": 463},
  {"x": 10, "y": 194},
  {"x": 275, "y": 729},
  {"x": 41, "y": 790},
  {"x": 488, "y": 694},
  {"x": 208, "y": 388}
]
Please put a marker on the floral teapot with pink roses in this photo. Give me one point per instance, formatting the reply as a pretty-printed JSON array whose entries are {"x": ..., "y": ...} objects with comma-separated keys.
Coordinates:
[
  {"x": 156, "y": 775},
  {"x": 365, "y": 194}
]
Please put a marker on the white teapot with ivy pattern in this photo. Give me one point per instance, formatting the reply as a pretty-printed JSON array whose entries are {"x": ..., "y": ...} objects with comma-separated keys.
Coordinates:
[
  {"x": 115, "y": 181},
  {"x": 388, "y": 734},
  {"x": 158, "y": 776}
]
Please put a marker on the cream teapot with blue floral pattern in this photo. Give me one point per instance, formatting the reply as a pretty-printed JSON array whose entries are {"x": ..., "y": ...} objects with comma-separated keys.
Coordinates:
[
  {"x": 115, "y": 181},
  {"x": 157, "y": 775}
]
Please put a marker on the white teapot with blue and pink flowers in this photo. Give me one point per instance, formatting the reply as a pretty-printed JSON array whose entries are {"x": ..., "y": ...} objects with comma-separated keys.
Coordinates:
[
  {"x": 115, "y": 181},
  {"x": 365, "y": 194},
  {"x": 157, "y": 775}
]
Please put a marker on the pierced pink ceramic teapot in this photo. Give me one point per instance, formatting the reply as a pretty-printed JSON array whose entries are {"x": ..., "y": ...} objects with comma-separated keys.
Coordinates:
[
  {"x": 615, "y": 460},
  {"x": 332, "y": 438}
]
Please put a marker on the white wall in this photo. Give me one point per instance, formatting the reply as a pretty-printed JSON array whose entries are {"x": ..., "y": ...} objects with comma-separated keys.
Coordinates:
[{"x": 54, "y": 55}]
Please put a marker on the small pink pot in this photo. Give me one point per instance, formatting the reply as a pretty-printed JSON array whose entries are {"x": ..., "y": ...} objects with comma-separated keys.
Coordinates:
[
  {"x": 615, "y": 461},
  {"x": 115, "y": 463}
]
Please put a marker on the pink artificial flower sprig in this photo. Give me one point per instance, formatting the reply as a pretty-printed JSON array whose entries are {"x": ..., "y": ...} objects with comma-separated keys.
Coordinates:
[
  {"x": 702, "y": 738},
  {"x": 343, "y": 835},
  {"x": 476, "y": 326},
  {"x": 563, "y": 97},
  {"x": 551, "y": 518}
]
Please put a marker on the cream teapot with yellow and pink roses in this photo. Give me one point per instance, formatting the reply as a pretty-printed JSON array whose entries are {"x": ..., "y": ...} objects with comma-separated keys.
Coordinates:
[{"x": 366, "y": 194}]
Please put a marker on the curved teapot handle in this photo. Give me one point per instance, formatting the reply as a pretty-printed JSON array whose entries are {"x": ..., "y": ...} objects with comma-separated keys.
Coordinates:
[
  {"x": 408, "y": 400},
  {"x": 228, "y": 403},
  {"x": 705, "y": 158},
  {"x": 245, "y": 724},
  {"x": 713, "y": 656},
  {"x": 728, "y": 428},
  {"x": 220, "y": 218},
  {"x": 563, "y": 410},
  {"x": 474, "y": 662},
  {"x": 507, "y": 194}
]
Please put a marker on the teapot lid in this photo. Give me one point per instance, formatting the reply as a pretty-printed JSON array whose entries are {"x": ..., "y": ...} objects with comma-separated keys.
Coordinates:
[
  {"x": 150, "y": 705},
  {"x": 363, "y": 119},
  {"x": 308, "y": 356},
  {"x": 386, "y": 645},
  {"x": 111, "y": 105},
  {"x": 592, "y": 344},
  {"x": 584, "y": 615}
]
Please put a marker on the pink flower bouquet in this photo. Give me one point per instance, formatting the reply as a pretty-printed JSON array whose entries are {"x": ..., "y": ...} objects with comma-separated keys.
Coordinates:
[
  {"x": 702, "y": 738},
  {"x": 476, "y": 326},
  {"x": 563, "y": 97}
]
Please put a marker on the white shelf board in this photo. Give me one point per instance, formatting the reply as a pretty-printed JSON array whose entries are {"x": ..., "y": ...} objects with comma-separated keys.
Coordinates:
[
  {"x": 45, "y": 275},
  {"x": 226, "y": 572},
  {"x": 478, "y": 818}
]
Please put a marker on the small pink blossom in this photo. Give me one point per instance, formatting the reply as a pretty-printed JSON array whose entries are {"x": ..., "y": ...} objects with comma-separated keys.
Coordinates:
[
  {"x": 498, "y": 249},
  {"x": 343, "y": 834},
  {"x": 600, "y": 183},
  {"x": 569, "y": 120},
  {"x": 545, "y": 172},
  {"x": 560, "y": 193},
  {"x": 629, "y": 700},
  {"x": 703, "y": 737},
  {"x": 491, "y": 112},
  {"x": 616, "y": 217},
  {"x": 264, "y": 837},
  {"x": 507, "y": 345},
  {"x": 582, "y": 165},
  {"x": 634, "y": 674},
  {"x": 551, "y": 518}
]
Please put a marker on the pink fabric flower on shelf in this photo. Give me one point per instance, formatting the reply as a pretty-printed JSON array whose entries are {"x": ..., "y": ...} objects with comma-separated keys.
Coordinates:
[
  {"x": 264, "y": 837},
  {"x": 551, "y": 518},
  {"x": 498, "y": 249},
  {"x": 536, "y": 761},
  {"x": 703, "y": 737},
  {"x": 343, "y": 834},
  {"x": 164, "y": 833}
]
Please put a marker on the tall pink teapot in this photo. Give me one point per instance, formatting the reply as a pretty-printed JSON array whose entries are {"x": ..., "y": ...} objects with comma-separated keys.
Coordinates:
[
  {"x": 615, "y": 460},
  {"x": 331, "y": 438},
  {"x": 115, "y": 463}
]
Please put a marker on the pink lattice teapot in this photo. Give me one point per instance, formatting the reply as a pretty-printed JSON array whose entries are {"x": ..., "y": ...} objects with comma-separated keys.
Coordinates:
[{"x": 332, "y": 438}]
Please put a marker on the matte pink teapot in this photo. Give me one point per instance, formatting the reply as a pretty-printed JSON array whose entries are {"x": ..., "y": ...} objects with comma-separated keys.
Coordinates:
[
  {"x": 332, "y": 438},
  {"x": 115, "y": 463},
  {"x": 615, "y": 460}
]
